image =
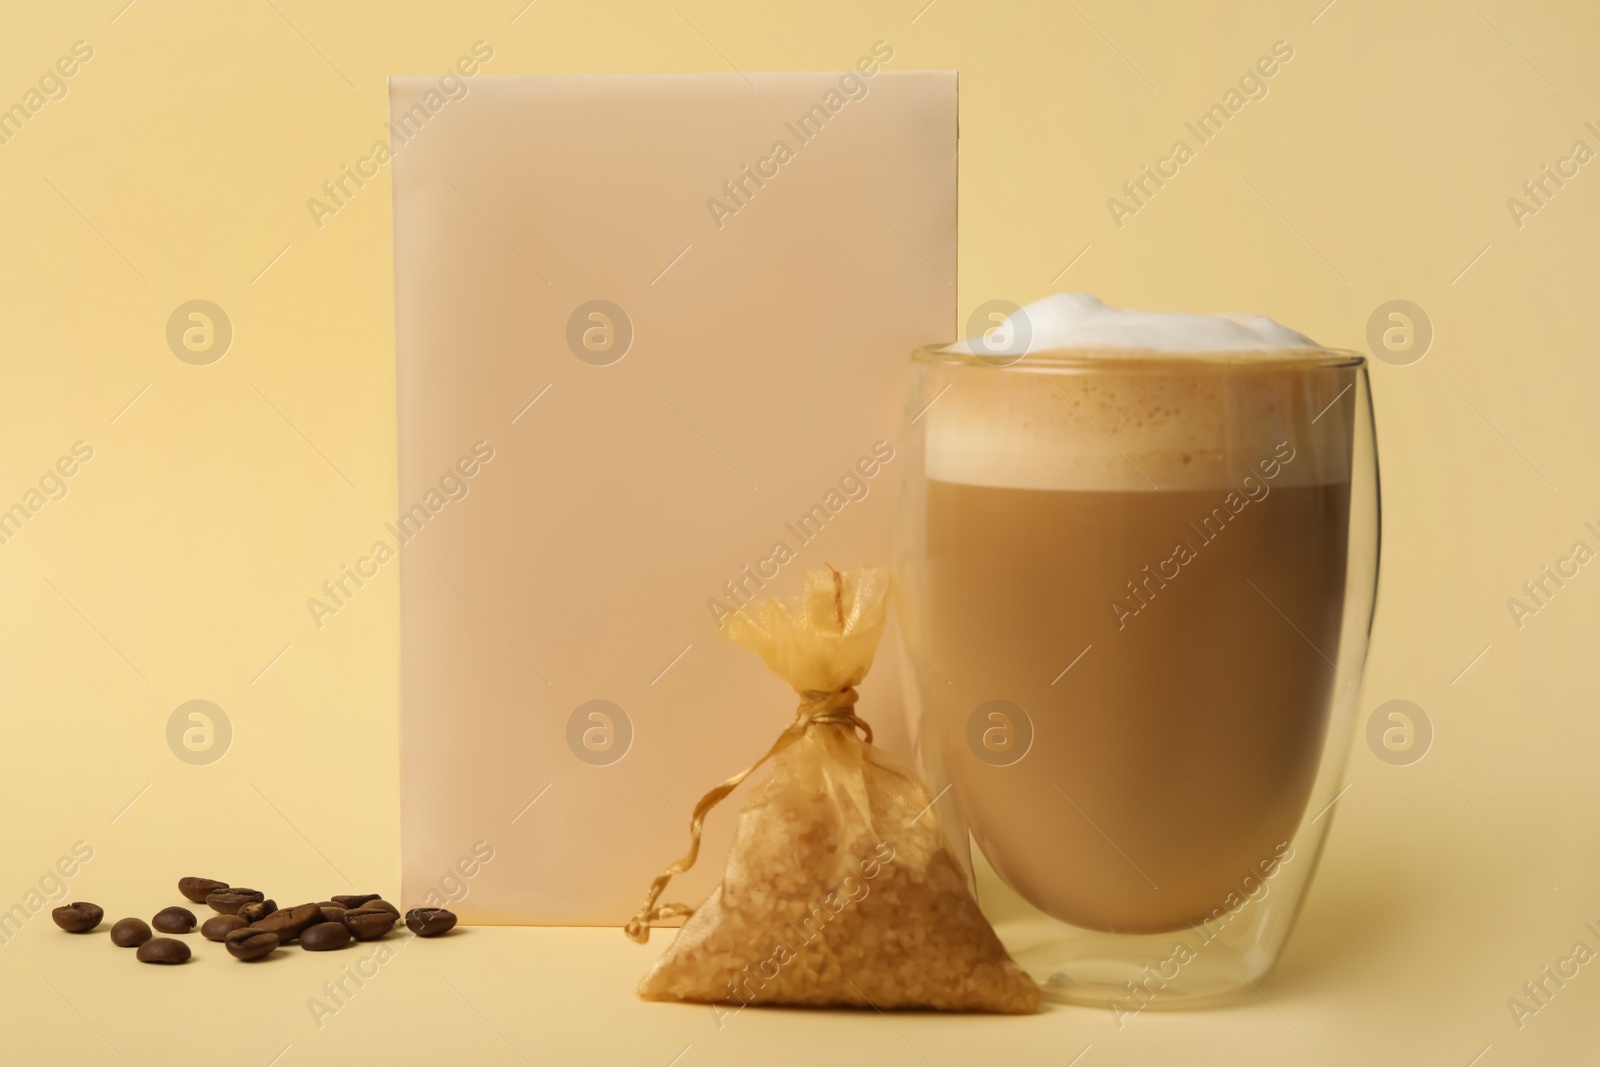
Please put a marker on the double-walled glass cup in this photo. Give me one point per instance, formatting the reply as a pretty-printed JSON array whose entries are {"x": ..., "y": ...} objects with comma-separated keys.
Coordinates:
[{"x": 1136, "y": 592}]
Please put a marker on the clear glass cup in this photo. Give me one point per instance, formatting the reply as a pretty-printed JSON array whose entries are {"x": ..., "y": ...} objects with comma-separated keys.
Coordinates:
[{"x": 1136, "y": 592}]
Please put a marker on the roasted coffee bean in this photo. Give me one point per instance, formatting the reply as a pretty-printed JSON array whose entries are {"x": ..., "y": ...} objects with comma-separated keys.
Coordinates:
[
  {"x": 352, "y": 901},
  {"x": 129, "y": 933},
  {"x": 323, "y": 937},
  {"x": 174, "y": 920},
  {"x": 332, "y": 913},
  {"x": 287, "y": 923},
  {"x": 228, "y": 901},
  {"x": 197, "y": 889},
  {"x": 218, "y": 927},
  {"x": 248, "y": 943},
  {"x": 254, "y": 913},
  {"x": 368, "y": 924},
  {"x": 163, "y": 950},
  {"x": 430, "y": 922},
  {"x": 79, "y": 917},
  {"x": 379, "y": 902}
]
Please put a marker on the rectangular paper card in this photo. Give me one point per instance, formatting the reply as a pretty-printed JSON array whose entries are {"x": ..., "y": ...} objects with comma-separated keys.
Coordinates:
[{"x": 653, "y": 338}]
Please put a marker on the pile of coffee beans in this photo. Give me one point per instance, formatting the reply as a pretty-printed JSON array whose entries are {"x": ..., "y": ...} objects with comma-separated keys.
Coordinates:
[{"x": 251, "y": 926}]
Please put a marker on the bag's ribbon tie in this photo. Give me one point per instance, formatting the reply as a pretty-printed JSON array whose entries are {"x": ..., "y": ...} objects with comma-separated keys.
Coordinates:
[{"x": 817, "y": 708}]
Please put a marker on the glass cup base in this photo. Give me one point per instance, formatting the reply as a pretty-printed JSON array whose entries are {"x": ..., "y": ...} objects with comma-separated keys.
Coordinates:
[{"x": 1130, "y": 973}]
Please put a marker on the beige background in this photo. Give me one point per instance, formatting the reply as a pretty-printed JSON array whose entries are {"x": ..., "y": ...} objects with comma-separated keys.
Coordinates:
[{"x": 178, "y": 166}]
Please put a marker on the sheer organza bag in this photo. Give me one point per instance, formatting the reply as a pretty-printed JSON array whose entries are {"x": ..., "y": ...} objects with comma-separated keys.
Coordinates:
[{"x": 840, "y": 889}]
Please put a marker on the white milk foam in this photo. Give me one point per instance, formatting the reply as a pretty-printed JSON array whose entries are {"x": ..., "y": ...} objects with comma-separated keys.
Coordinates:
[
  {"x": 1134, "y": 429},
  {"x": 1067, "y": 321}
]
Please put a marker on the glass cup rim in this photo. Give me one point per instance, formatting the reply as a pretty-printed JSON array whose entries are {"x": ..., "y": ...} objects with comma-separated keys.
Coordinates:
[{"x": 1146, "y": 361}]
